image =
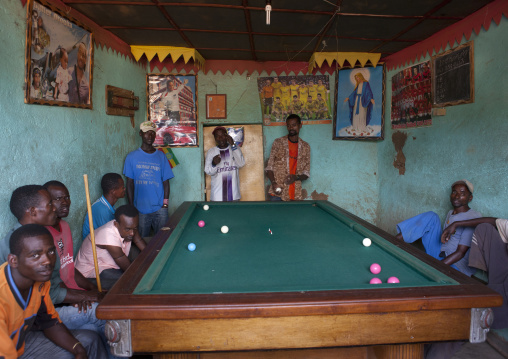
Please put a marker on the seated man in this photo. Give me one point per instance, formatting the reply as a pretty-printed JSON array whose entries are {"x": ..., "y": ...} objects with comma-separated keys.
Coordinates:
[
  {"x": 103, "y": 210},
  {"x": 33, "y": 204},
  {"x": 427, "y": 226},
  {"x": 29, "y": 324},
  {"x": 489, "y": 252},
  {"x": 113, "y": 241}
]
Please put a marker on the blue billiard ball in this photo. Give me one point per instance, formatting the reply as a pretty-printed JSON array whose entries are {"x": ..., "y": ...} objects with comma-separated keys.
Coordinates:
[{"x": 191, "y": 247}]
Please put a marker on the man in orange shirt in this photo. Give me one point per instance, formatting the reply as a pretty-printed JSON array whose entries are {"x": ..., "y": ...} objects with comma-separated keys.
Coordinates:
[{"x": 289, "y": 163}]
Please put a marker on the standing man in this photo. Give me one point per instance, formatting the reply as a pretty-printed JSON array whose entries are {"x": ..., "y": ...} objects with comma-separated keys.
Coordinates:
[
  {"x": 171, "y": 100},
  {"x": 222, "y": 163},
  {"x": 148, "y": 174},
  {"x": 113, "y": 188},
  {"x": 289, "y": 163},
  {"x": 25, "y": 304},
  {"x": 267, "y": 96}
]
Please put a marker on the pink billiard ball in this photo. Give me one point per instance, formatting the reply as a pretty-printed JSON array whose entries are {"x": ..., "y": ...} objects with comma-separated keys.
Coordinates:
[
  {"x": 393, "y": 280},
  {"x": 375, "y": 268},
  {"x": 375, "y": 281},
  {"x": 201, "y": 223}
]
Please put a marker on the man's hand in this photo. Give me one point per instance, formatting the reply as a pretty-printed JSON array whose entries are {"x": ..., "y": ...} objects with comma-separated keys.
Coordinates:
[
  {"x": 448, "y": 232},
  {"x": 216, "y": 160},
  {"x": 290, "y": 179}
]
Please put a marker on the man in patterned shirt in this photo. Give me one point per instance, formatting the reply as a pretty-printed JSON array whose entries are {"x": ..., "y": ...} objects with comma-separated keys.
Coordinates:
[{"x": 289, "y": 163}]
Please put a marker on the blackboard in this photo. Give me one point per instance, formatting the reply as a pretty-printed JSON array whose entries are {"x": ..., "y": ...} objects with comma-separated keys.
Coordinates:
[{"x": 453, "y": 76}]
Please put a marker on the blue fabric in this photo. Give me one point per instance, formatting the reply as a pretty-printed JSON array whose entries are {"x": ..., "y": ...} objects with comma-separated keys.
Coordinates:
[
  {"x": 155, "y": 220},
  {"x": 149, "y": 171},
  {"x": 426, "y": 226},
  {"x": 102, "y": 213},
  {"x": 365, "y": 98}
]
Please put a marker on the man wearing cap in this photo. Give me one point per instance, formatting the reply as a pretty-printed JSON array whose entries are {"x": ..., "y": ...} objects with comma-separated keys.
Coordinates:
[
  {"x": 148, "y": 174},
  {"x": 427, "y": 226},
  {"x": 221, "y": 164}
]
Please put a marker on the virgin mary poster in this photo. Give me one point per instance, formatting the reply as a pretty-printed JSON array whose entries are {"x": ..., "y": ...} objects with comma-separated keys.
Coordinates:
[{"x": 359, "y": 104}]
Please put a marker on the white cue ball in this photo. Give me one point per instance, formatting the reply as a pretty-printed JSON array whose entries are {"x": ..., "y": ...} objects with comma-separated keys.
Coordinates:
[
  {"x": 367, "y": 242},
  {"x": 206, "y": 207},
  {"x": 224, "y": 229}
]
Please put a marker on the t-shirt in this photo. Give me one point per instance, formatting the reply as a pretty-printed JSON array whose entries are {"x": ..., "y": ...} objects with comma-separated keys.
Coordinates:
[
  {"x": 276, "y": 89},
  {"x": 293, "y": 161},
  {"x": 462, "y": 236},
  {"x": 64, "y": 247},
  {"x": 18, "y": 316},
  {"x": 102, "y": 213},
  {"x": 268, "y": 91},
  {"x": 225, "y": 184},
  {"x": 149, "y": 171},
  {"x": 107, "y": 235}
]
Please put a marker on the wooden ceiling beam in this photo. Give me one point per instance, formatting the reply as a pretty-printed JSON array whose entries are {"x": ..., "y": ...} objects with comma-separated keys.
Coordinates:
[
  {"x": 171, "y": 21},
  {"x": 249, "y": 30},
  {"x": 416, "y": 23},
  {"x": 252, "y": 8}
]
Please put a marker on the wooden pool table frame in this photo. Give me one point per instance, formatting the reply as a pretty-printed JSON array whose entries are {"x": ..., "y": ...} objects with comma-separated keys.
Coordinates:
[{"x": 394, "y": 321}]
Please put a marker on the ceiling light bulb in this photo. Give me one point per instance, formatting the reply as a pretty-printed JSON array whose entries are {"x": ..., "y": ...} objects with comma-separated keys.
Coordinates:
[{"x": 268, "y": 8}]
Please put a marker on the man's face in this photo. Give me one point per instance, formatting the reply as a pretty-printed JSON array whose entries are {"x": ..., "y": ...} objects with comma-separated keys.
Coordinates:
[
  {"x": 119, "y": 191},
  {"x": 276, "y": 79},
  {"x": 37, "y": 80},
  {"x": 81, "y": 56},
  {"x": 37, "y": 258},
  {"x": 147, "y": 137},
  {"x": 45, "y": 213},
  {"x": 460, "y": 196},
  {"x": 127, "y": 227},
  {"x": 61, "y": 200},
  {"x": 221, "y": 138},
  {"x": 293, "y": 127}
]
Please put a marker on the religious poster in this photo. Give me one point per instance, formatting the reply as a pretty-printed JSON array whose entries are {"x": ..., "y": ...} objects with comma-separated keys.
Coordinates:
[
  {"x": 171, "y": 105},
  {"x": 307, "y": 96},
  {"x": 359, "y": 104},
  {"x": 59, "y": 58},
  {"x": 411, "y": 97}
]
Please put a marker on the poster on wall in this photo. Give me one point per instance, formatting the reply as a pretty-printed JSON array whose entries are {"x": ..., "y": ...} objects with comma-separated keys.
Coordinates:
[
  {"x": 58, "y": 58},
  {"x": 307, "y": 96},
  {"x": 411, "y": 97},
  {"x": 171, "y": 105},
  {"x": 359, "y": 104}
]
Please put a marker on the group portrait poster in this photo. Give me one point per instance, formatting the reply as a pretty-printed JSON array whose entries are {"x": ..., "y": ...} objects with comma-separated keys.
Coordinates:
[
  {"x": 171, "y": 105},
  {"x": 307, "y": 96},
  {"x": 59, "y": 58},
  {"x": 411, "y": 97},
  {"x": 359, "y": 104}
]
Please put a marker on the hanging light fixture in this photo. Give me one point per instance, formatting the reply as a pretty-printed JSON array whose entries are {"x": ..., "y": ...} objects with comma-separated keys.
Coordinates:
[{"x": 268, "y": 9}]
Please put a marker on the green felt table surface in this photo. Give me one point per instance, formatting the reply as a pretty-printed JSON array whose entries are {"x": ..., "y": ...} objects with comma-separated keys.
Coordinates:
[{"x": 312, "y": 248}]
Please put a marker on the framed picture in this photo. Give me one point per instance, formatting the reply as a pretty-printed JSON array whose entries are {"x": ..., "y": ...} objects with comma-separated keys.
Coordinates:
[
  {"x": 216, "y": 106},
  {"x": 359, "y": 104},
  {"x": 58, "y": 58},
  {"x": 171, "y": 105},
  {"x": 411, "y": 97},
  {"x": 307, "y": 96}
]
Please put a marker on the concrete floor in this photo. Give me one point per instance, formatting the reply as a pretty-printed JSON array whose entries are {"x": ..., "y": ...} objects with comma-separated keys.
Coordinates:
[{"x": 496, "y": 347}]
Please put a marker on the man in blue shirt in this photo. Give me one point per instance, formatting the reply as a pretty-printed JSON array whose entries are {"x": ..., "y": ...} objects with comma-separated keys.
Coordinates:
[
  {"x": 113, "y": 188},
  {"x": 148, "y": 174}
]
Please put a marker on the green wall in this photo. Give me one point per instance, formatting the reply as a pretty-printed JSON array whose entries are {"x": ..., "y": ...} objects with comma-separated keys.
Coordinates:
[
  {"x": 468, "y": 142},
  {"x": 41, "y": 143}
]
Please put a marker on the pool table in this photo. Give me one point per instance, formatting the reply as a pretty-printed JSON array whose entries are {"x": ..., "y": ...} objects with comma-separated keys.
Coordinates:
[{"x": 287, "y": 276}]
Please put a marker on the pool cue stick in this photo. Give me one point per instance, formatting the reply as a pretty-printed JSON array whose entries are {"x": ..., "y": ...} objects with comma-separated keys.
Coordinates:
[{"x": 92, "y": 233}]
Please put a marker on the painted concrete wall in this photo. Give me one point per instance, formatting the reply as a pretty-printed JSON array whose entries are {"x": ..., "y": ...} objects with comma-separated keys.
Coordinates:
[
  {"x": 41, "y": 143},
  {"x": 343, "y": 171},
  {"x": 468, "y": 142}
]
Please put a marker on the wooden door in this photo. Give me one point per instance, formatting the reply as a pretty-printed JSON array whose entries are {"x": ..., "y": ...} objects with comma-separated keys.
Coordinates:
[{"x": 252, "y": 178}]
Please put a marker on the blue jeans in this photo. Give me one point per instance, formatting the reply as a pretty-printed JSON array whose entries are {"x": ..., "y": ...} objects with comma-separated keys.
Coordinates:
[
  {"x": 72, "y": 319},
  {"x": 274, "y": 198},
  {"x": 155, "y": 220},
  {"x": 37, "y": 345}
]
